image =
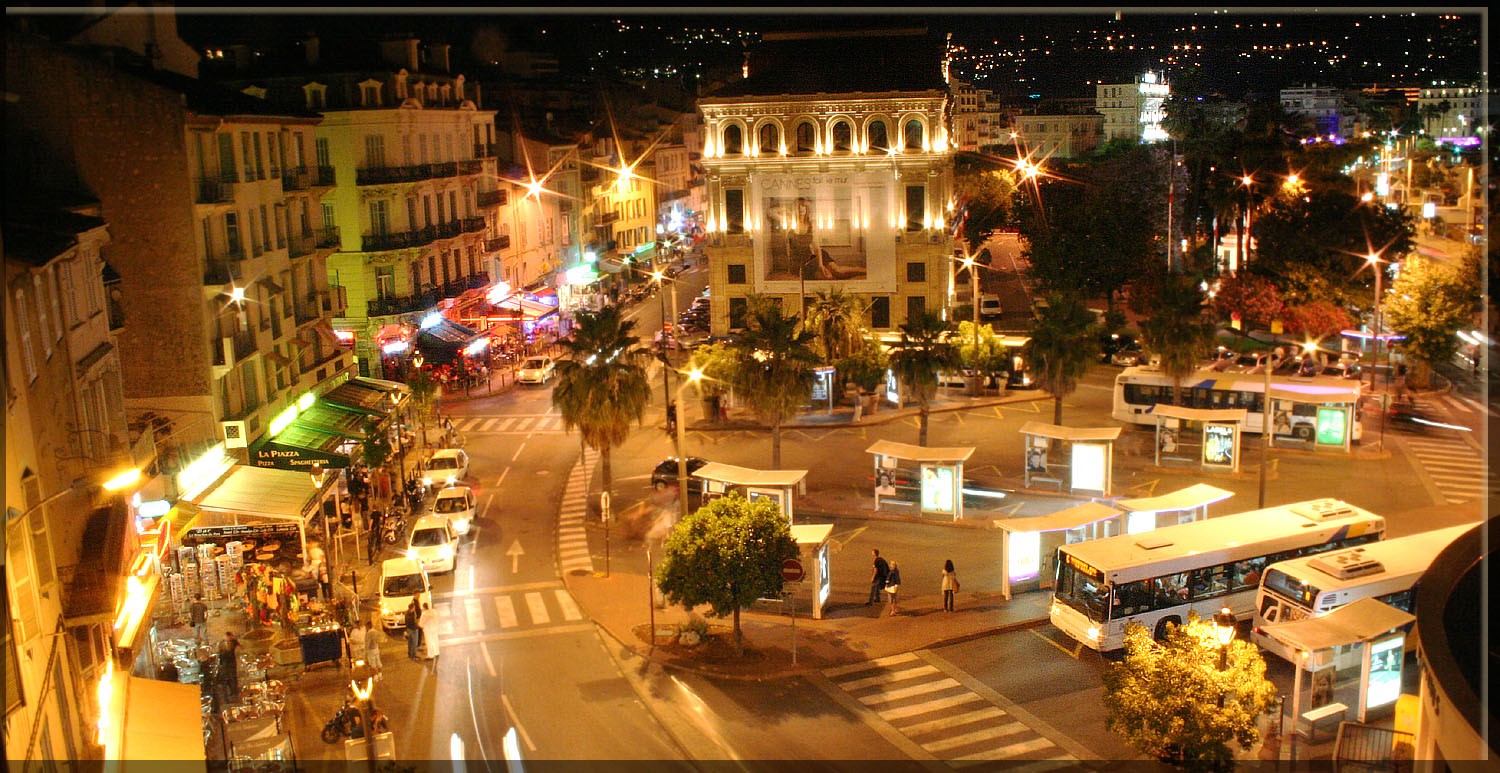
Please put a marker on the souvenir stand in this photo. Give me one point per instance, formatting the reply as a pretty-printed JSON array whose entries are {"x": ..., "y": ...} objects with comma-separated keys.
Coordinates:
[
  {"x": 1028, "y": 545},
  {"x": 1181, "y": 506}
]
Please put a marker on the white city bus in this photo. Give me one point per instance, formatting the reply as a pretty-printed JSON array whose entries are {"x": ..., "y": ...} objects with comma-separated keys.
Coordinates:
[
  {"x": 1139, "y": 389},
  {"x": 1159, "y": 576},
  {"x": 1317, "y": 585}
]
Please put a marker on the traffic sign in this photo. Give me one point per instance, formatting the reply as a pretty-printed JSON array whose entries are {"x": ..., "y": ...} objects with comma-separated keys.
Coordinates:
[{"x": 791, "y": 570}]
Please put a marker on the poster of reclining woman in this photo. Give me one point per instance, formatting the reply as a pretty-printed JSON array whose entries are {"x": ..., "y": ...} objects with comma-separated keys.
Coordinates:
[{"x": 814, "y": 238}]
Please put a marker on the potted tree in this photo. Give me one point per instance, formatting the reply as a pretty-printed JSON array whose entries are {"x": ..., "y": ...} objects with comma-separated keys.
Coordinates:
[
  {"x": 865, "y": 368},
  {"x": 717, "y": 363}
]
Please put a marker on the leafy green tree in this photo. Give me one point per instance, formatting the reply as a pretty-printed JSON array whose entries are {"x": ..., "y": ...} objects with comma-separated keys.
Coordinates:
[
  {"x": 1254, "y": 299},
  {"x": 1061, "y": 347},
  {"x": 1176, "y": 327},
  {"x": 376, "y": 450},
  {"x": 985, "y": 355},
  {"x": 1429, "y": 304},
  {"x": 1172, "y": 701},
  {"x": 601, "y": 382},
  {"x": 773, "y": 372},
  {"x": 717, "y": 361},
  {"x": 836, "y": 317},
  {"x": 989, "y": 197},
  {"x": 1328, "y": 233},
  {"x": 726, "y": 555},
  {"x": 1317, "y": 320},
  {"x": 865, "y": 367},
  {"x": 924, "y": 351},
  {"x": 424, "y": 389}
]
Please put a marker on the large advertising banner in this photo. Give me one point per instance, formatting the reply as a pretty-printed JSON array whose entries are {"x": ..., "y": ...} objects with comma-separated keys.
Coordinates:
[
  {"x": 814, "y": 226},
  {"x": 1383, "y": 672}
]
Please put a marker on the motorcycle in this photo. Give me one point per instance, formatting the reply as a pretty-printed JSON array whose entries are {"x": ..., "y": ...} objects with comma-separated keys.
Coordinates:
[
  {"x": 415, "y": 494},
  {"x": 393, "y": 527},
  {"x": 342, "y": 725}
]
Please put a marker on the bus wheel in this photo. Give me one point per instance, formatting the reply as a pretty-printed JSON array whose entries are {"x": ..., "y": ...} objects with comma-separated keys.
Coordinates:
[
  {"x": 1161, "y": 626},
  {"x": 1303, "y": 432}
]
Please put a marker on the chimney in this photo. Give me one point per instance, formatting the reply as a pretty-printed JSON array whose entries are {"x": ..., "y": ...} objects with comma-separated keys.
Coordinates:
[
  {"x": 400, "y": 52},
  {"x": 310, "y": 49},
  {"x": 438, "y": 55}
]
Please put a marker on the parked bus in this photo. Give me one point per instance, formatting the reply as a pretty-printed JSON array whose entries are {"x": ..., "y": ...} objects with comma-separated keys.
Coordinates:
[
  {"x": 1317, "y": 585},
  {"x": 1139, "y": 389},
  {"x": 1157, "y": 577}
]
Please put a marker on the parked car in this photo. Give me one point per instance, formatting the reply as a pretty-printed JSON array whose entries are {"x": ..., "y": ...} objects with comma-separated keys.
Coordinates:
[
  {"x": 459, "y": 505},
  {"x": 989, "y": 305},
  {"x": 665, "y": 474},
  {"x": 433, "y": 544},
  {"x": 447, "y": 467},
  {"x": 401, "y": 579},
  {"x": 536, "y": 370},
  {"x": 1115, "y": 342},
  {"x": 1128, "y": 356}
]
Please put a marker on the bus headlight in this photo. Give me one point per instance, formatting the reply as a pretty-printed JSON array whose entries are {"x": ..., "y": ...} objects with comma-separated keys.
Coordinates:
[{"x": 412, "y": 554}]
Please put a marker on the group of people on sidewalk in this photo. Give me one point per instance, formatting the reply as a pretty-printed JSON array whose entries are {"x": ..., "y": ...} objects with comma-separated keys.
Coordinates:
[
  {"x": 887, "y": 579},
  {"x": 420, "y": 622}
]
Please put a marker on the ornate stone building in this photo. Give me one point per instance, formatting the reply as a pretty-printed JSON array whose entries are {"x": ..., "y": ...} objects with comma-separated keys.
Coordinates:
[{"x": 829, "y": 166}]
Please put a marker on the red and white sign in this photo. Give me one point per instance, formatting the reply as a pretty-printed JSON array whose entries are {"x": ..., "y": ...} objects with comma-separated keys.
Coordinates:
[{"x": 791, "y": 570}]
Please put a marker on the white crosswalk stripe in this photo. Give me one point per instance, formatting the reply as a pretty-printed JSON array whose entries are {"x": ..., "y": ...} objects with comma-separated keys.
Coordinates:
[
  {"x": 572, "y": 541},
  {"x": 520, "y": 610},
  {"x": 937, "y": 712},
  {"x": 1454, "y": 467},
  {"x": 527, "y": 424}
]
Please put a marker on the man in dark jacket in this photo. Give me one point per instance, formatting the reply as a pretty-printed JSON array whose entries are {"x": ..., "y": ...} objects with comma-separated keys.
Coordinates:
[{"x": 877, "y": 580}]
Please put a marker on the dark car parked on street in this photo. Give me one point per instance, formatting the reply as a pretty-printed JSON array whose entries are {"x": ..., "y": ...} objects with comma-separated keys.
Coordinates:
[{"x": 665, "y": 474}]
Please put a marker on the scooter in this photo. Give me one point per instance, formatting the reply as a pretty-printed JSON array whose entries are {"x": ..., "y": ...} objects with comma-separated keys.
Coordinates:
[{"x": 342, "y": 725}]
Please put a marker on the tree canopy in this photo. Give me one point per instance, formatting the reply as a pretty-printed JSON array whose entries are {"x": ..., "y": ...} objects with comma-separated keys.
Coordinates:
[
  {"x": 773, "y": 368},
  {"x": 1062, "y": 346},
  {"x": 727, "y": 554},
  {"x": 1429, "y": 304},
  {"x": 601, "y": 385},
  {"x": 924, "y": 351},
  {"x": 1165, "y": 698}
]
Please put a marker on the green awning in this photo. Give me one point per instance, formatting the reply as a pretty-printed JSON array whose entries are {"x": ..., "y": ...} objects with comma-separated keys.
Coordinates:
[
  {"x": 352, "y": 395},
  {"x": 331, "y": 419},
  {"x": 299, "y": 448}
]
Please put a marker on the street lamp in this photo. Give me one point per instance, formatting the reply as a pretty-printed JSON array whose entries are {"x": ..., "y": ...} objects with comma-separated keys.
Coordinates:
[
  {"x": 1247, "y": 181},
  {"x": 693, "y": 376},
  {"x": 1224, "y": 624},
  {"x": 361, "y": 686},
  {"x": 661, "y": 280},
  {"x": 1374, "y": 261}
]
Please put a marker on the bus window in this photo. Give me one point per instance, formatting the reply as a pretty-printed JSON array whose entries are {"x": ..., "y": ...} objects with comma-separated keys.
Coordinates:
[
  {"x": 1209, "y": 582},
  {"x": 1401, "y": 600},
  {"x": 1171, "y": 589},
  {"x": 1245, "y": 574},
  {"x": 1291, "y": 587},
  {"x": 1134, "y": 598},
  {"x": 1082, "y": 592}
]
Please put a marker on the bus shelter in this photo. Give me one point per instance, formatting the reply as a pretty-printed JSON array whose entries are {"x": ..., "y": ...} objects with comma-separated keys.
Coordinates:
[
  {"x": 1090, "y": 463},
  {"x": 939, "y": 475},
  {"x": 817, "y": 582},
  {"x": 1208, "y": 437},
  {"x": 776, "y": 486},
  {"x": 1375, "y": 628},
  {"x": 1316, "y": 415},
  {"x": 1181, "y": 506},
  {"x": 1029, "y": 545}
]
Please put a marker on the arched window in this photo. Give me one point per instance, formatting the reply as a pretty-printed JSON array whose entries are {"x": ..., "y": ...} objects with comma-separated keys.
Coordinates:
[
  {"x": 769, "y": 142},
  {"x": 841, "y": 136},
  {"x": 733, "y": 141},
  {"x": 879, "y": 143},
  {"x": 804, "y": 137},
  {"x": 913, "y": 132}
]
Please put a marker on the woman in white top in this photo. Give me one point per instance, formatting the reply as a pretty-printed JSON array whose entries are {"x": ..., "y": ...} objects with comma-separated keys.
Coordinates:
[
  {"x": 429, "y": 624},
  {"x": 950, "y": 585}
]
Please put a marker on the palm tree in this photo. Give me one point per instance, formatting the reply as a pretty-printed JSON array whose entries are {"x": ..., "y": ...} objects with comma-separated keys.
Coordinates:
[
  {"x": 601, "y": 384},
  {"x": 836, "y": 316},
  {"x": 923, "y": 352},
  {"x": 1061, "y": 347},
  {"x": 1178, "y": 330},
  {"x": 774, "y": 367}
]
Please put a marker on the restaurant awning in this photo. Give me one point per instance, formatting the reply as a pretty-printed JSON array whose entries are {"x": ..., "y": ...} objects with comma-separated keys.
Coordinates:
[
  {"x": 299, "y": 447},
  {"x": 920, "y": 453},
  {"x": 1361, "y": 621},
  {"x": 155, "y": 721},
  {"x": 1192, "y": 497},
  {"x": 745, "y": 476},
  {"x": 367, "y": 395},
  {"x": 1071, "y": 518},
  {"x": 1198, "y": 414},
  {"x": 1072, "y": 434},
  {"x": 526, "y": 308},
  {"x": 447, "y": 334},
  {"x": 260, "y": 491}
]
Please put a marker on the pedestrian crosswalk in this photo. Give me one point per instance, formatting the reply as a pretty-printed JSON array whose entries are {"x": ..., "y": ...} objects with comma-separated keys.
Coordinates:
[
  {"x": 509, "y": 425},
  {"x": 573, "y": 555},
  {"x": 1455, "y": 468},
  {"x": 521, "y": 609},
  {"x": 921, "y": 699}
]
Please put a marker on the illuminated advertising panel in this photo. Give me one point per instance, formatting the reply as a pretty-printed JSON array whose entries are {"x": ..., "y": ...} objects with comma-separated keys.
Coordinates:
[
  {"x": 1384, "y": 669},
  {"x": 1089, "y": 466},
  {"x": 1023, "y": 561},
  {"x": 937, "y": 489},
  {"x": 1333, "y": 425},
  {"x": 1218, "y": 445}
]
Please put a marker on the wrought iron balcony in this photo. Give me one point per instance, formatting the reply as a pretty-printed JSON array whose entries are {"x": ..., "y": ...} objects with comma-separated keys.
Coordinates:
[
  {"x": 324, "y": 177},
  {"x": 296, "y": 179},
  {"x": 497, "y": 244},
  {"x": 485, "y": 150},
  {"x": 215, "y": 190},
  {"x": 381, "y": 307},
  {"x": 472, "y": 224},
  {"x": 386, "y": 175},
  {"x": 470, "y": 166},
  {"x": 328, "y": 236},
  {"x": 298, "y": 245},
  {"x": 496, "y": 198}
]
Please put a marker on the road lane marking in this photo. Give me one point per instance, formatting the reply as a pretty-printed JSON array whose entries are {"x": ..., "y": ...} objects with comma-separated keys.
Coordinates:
[
  {"x": 476, "y": 614},
  {"x": 489, "y": 664},
  {"x": 906, "y": 692},
  {"x": 516, "y": 720},
  {"x": 1070, "y": 653},
  {"x": 984, "y": 734},
  {"x": 928, "y": 706},
  {"x": 543, "y": 585},
  {"x": 888, "y": 677},
  {"x": 506, "y": 609},
  {"x": 538, "y": 609},
  {"x": 518, "y": 452},
  {"x": 1012, "y": 750},
  {"x": 525, "y": 633},
  {"x": 869, "y": 665},
  {"x": 501, "y": 479},
  {"x": 565, "y": 600},
  {"x": 920, "y": 728}
]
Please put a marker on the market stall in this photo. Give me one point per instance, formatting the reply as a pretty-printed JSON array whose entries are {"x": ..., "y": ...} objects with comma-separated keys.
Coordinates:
[
  {"x": 1028, "y": 545},
  {"x": 1181, "y": 506}
]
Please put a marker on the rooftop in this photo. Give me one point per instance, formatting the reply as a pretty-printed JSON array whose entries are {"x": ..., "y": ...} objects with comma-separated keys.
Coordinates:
[{"x": 840, "y": 63}]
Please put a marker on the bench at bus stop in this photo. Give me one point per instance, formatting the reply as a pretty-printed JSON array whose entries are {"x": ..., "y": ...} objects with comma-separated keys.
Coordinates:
[{"x": 1320, "y": 716}]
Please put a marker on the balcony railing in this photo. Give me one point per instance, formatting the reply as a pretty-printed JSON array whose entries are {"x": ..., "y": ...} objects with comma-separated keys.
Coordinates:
[
  {"x": 380, "y": 307},
  {"x": 328, "y": 237},
  {"x": 607, "y": 218},
  {"x": 296, "y": 179},
  {"x": 498, "y": 243},
  {"x": 298, "y": 245},
  {"x": 470, "y": 166},
  {"x": 497, "y": 198},
  {"x": 471, "y": 224},
  {"x": 224, "y": 269},
  {"x": 386, "y": 175},
  {"x": 215, "y": 190},
  {"x": 485, "y": 150},
  {"x": 307, "y": 311},
  {"x": 324, "y": 177},
  {"x": 335, "y": 300},
  {"x": 233, "y": 348}
]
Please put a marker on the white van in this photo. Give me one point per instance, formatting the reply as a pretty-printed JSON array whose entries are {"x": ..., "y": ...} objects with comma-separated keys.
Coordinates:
[
  {"x": 401, "y": 579},
  {"x": 989, "y": 306}
]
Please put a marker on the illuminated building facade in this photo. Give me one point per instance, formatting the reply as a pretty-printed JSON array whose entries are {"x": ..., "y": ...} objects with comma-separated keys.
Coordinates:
[
  {"x": 1134, "y": 109},
  {"x": 828, "y": 168}
]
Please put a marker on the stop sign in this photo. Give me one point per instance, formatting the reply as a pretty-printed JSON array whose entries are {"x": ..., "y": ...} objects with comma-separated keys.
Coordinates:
[{"x": 791, "y": 570}]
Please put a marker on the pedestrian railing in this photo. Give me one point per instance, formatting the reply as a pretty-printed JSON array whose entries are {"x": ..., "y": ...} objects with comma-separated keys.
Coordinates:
[{"x": 1372, "y": 747}]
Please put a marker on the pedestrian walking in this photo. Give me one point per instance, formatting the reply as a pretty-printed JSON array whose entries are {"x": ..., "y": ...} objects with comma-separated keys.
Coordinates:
[
  {"x": 429, "y": 622},
  {"x": 413, "y": 633},
  {"x": 198, "y": 616},
  {"x": 355, "y": 641},
  {"x": 893, "y": 586},
  {"x": 377, "y": 524},
  {"x": 950, "y": 585},
  {"x": 877, "y": 580},
  {"x": 229, "y": 666},
  {"x": 325, "y": 583},
  {"x": 372, "y": 648}
]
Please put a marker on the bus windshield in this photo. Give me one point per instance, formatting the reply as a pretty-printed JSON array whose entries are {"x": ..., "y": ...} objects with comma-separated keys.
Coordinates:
[
  {"x": 1082, "y": 592},
  {"x": 1291, "y": 588}
]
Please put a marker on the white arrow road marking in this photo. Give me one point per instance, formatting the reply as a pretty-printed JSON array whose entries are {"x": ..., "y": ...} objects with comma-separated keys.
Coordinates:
[{"x": 515, "y": 552}]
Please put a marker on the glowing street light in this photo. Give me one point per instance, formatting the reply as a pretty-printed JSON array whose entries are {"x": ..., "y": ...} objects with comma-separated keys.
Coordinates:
[{"x": 693, "y": 376}]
